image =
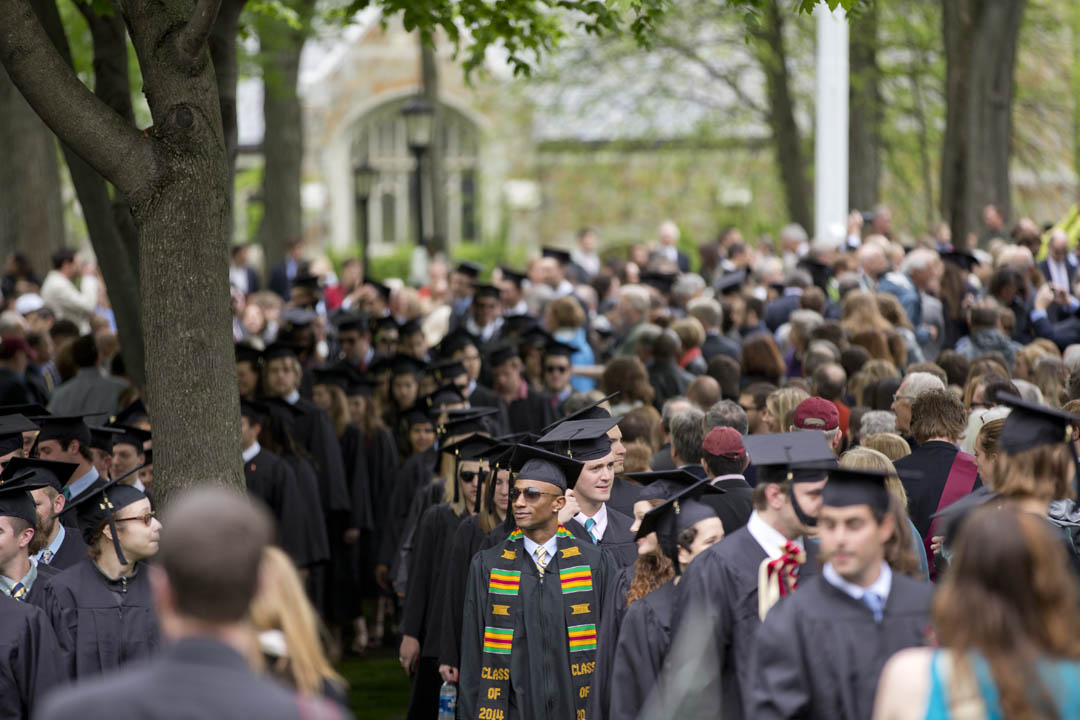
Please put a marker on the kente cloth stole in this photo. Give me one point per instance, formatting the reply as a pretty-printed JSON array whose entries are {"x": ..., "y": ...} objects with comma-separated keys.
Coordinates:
[
  {"x": 777, "y": 578},
  {"x": 576, "y": 581}
]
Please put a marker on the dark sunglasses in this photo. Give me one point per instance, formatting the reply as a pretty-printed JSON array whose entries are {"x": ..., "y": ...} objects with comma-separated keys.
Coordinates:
[
  {"x": 146, "y": 518},
  {"x": 556, "y": 369},
  {"x": 531, "y": 494},
  {"x": 468, "y": 476}
]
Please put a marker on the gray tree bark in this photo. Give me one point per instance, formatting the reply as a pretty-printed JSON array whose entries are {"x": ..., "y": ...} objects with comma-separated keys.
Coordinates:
[
  {"x": 865, "y": 114},
  {"x": 283, "y": 140},
  {"x": 175, "y": 177},
  {"x": 981, "y": 38},
  {"x": 31, "y": 209}
]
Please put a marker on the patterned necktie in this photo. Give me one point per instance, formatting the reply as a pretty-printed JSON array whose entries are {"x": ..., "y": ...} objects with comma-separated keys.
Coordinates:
[
  {"x": 876, "y": 603},
  {"x": 19, "y": 592},
  {"x": 589, "y": 525},
  {"x": 541, "y": 560},
  {"x": 46, "y": 556}
]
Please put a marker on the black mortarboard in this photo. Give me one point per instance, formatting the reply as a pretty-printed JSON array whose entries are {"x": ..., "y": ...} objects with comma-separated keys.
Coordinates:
[
  {"x": 409, "y": 327},
  {"x": 502, "y": 352},
  {"x": 352, "y": 321},
  {"x": 454, "y": 341},
  {"x": 11, "y": 429},
  {"x": 474, "y": 447},
  {"x": 102, "y": 438},
  {"x": 561, "y": 255},
  {"x": 131, "y": 413},
  {"x": 663, "y": 484},
  {"x": 592, "y": 411},
  {"x": 332, "y": 375},
  {"x": 1029, "y": 425},
  {"x": 517, "y": 325},
  {"x": 469, "y": 269},
  {"x": 279, "y": 349},
  {"x": 148, "y": 455},
  {"x": 307, "y": 280},
  {"x": 848, "y": 486},
  {"x": 448, "y": 370},
  {"x": 554, "y": 347},
  {"x": 678, "y": 513},
  {"x": 512, "y": 275},
  {"x": 469, "y": 420},
  {"x": 580, "y": 439},
  {"x": 961, "y": 259},
  {"x": 535, "y": 337},
  {"x": 402, "y": 364},
  {"x": 47, "y": 472},
  {"x": 253, "y": 410},
  {"x": 803, "y": 456},
  {"x": 136, "y": 437},
  {"x": 533, "y": 463},
  {"x": 383, "y": 290},
  {"x": 16, "y": 500},
  {"x": 360, "y": 385},
  {"x": 416, "y": 415},
  {"x": 247, "y": 353},
  {"x": 731, "y": 282},
  {"x": 659, "y": 280},
  {"x": 101, "y": 503},
  {"x": 486, "y": 291},
  {"x": 381, "y": 324},
  {"x": 299, "y": 317},
  {"x": 445, "y": 395},
  {"x": 72, "y": 427},
  {"x": 33, "y": 410}
]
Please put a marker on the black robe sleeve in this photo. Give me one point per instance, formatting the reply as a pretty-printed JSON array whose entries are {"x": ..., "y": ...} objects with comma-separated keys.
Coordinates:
[
  {"x": 30, "y": 661},
  {"x": 317, "y": 435},
  {"x": 358, "y": 478},
  {"x": 472, "y": 635},
  {"x": 639, "y": 655},
  {"x": 463, "y": 547},
  {"x": 607, "y": 638}
]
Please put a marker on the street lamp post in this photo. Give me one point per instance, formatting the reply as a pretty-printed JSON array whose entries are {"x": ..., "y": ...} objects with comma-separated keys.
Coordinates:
[
  {"x": 419, "y": 127},
  {"x": 363, "y": 179}
]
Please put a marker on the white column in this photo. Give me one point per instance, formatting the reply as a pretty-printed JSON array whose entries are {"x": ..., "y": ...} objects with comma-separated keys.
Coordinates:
[{"x": 831, "y": 123}]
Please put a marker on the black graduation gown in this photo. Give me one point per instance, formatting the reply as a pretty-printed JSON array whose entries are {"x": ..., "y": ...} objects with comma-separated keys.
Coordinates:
[
  {"x": 719, "y": 590},
  {"x": 639, "y": 654},
  {"x": 381, "y": 458},
  {"x": 313, "y": 430},
  {"x": 486, "y": 397},
  {"x": 734, "y": 506},
  {"x": 607, "y": 638},
  {"x": 71, "y": 551},
  {"x": 820, "y": 653},
  {"x": 465, "y": 544},
  {"x": 617, "y": 539},
  {"x": 423, "y": 499},
  {"x": 541, "y": 687},
  {"x": 301, "y": 531},
  {"x": 318, "y": 530},
  {"x": 30, "y": 662},
  {"x": 531, "y": 413},
  {"x": 101, "y": 624},
  {"x": 624, "y": 493},
  {"x": 933, "y": 462},
  {"x": 414, "y": 474}
]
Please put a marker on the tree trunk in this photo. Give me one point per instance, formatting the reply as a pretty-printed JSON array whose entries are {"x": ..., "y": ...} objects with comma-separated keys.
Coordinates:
[
  {"x": 223, "y": 53},
  {"x": 101, "y": 213},
  {"x": 283, "y": 141},
  {"x": 31, "y": 210},
  {"x": 864, "y": 129},
  {"x": 771, "y": 53},
  {"x": 981, "y": 38},
  {"x": 435, "y": 158}
]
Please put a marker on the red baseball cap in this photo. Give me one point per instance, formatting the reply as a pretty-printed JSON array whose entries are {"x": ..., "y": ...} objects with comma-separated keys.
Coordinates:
[
  {"x": 725, "y": 442},
  {"x": 815, "y": 413},
  {"x": 11, "y": 344}
]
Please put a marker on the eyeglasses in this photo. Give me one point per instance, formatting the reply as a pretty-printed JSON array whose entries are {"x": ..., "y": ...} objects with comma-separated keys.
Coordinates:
[
  {"x": 901, "y": 398},
  {"x": 557, "y": 369},
  {"x": 531, "y": 494},
  {"x": 146, "y": 518},
  {"x": 468, "y": 476}
]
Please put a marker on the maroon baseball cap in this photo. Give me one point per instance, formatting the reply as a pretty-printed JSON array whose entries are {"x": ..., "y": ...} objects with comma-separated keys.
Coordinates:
[
  {"x": 816, "y": 413},
  {"x": 11, "y": 344},
  {"x": 725, "y": 442}
]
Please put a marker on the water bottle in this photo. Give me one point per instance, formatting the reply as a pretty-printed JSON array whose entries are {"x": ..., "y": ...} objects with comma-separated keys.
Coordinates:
[{"x": 448, "y": 701}]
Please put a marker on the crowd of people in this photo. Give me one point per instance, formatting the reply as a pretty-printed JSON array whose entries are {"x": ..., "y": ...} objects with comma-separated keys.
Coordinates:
[{"x": 827, "y": 478}]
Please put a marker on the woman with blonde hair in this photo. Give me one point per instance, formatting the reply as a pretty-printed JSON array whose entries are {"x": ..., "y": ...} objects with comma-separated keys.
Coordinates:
[
  {"x": 904, "y": 552},
  {"x": 861, "y": 314},
  {"x": 780, "y": 408},
  {"x": 1024, "y": 361},
  {"x": 289, "y": 631},
  {"x": 890, "y": 445}
]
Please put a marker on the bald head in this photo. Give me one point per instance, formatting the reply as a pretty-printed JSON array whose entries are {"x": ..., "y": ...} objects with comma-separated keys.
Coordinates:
[
  {"x": 211, "y": 549},
  {"x": 872, "y": 259},
  {"x": 1059, "y": 244}
]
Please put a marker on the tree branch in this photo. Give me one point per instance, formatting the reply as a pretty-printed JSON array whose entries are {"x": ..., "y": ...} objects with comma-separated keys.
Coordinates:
[
  {"x": 102, "y": 138},
  {"x": 192, "y": 40}
]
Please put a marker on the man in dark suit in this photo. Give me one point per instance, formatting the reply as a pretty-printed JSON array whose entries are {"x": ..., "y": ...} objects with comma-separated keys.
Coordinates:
[
  {"x": 241, "y": 275},
  {"x": 666, "y": 250},
  {"x": 202, "y": 596},
  {"x": 1059, "y": 267},
  {"x": 711, "y": 316},
  {"x": 778, "y": 311},
  {"x": 284, "y": 272},
  {"x": 724, "y": 458}
]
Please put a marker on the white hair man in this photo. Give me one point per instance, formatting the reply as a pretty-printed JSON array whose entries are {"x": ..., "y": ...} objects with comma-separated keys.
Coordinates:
[{"x": 911, "y": 388}]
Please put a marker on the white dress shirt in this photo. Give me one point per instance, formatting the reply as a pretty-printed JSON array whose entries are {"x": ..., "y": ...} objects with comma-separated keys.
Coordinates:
[
  {"x": 769, "y": 538},
  {"x": 550, "y": 547},
  {"x": 252, "y": 451},
  {"x": 601, "y": 521},
  {"x": 880, "y": 587}
]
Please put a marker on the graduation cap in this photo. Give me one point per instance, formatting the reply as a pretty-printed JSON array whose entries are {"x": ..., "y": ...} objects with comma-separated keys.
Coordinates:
[
  {"x": 299, "y": 317},
  {"x": 803, "y": 456},
  {"x": 535, "y": 337},
  {"x": 254, "y": 411},
  {"x": 561, "y": 255},
  {"x": 489, "y": 291},
  {"x": 592, "y": 411},
  {"x": 308, "y": 281},
  {"x": 102, "y": 438},
  {"x": 730, "y": 282},
  {"x": 402, "y": 364},
  {"x": 554, "y": 347},
  {"x": 663, "y": 484},
  {"x": 470, "y": 420},
  {"x": 384, "y": 323},
  {"x": 445, "y": 395},
  {"x": 136, "y": 437},
  {"x": 47, "y": 472},
  {"x": 416, "y": 415},
  {"x": 501, "y": 352},
  {"x": 677, "y": 514},
  {"x": 360, "y": 385},
  {"x": 448, "y": 370},
  {"x": 409, "y": 327},
  {"x": 581, "y": 439},
  {"x": 959, "y": 258},
  {"x": 352, "y": 321},
  {"x": 1029, "y": 425},
  {"x": 533, "y": 463},
  {"x": 100, "y": 504},
  {"x": 470, "y": 269},
  {"x": 456, "y": 340},
  {"x": 63, "y": 428},
  {"x": 11, "y": 429},
  {"x": 383, "y": 290},
  {"x": 32, "y": 410},
  {"x": 659, "y": 280},
  {"x": 16, "y": 500},
  {"x": 332, "y": 375},
  {"x": 132, "y": 413},
  {"x": 518, "y": 325},
  {"x": 848, "y": 486},
  {"x": 247, "y": 353},
  {"x": 474, "y": 447},
  {"x": 512, "y": 275}
]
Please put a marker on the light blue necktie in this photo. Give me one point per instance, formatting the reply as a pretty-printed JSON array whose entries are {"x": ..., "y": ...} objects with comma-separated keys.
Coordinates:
[
  {"x": 589, "y": 525},
  {"x": 876, "y": 603}
]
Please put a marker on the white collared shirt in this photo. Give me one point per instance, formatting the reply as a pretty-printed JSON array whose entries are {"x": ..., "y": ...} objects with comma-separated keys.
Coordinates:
[
  {"x": 550, "y": 547},
  {"x": 880, "y": 587},
  {"x": 252, "y": 451},
  {"x": 769, "y": 538},
  {"x": 601, "y": 521}
]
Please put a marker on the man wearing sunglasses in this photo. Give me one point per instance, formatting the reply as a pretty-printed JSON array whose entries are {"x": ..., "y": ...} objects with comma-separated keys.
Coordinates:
[
  {"x": 556, "y": 364},
  {"x": 533, "y": 604}
]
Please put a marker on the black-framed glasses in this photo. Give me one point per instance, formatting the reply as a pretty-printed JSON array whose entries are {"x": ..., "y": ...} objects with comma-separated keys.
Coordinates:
[
  {"x": 146, "y": 518},
  {"x": 469, "y": 476},
  {"x": 557, "y": 368},
  {"x": 531, "y": 494}
]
